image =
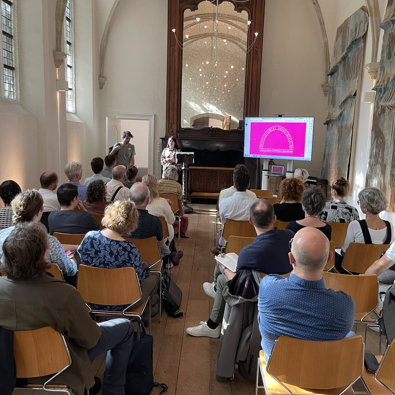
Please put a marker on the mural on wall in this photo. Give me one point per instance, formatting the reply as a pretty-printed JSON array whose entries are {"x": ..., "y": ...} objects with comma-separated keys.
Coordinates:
[
  {"x": 344, "y": 73},
  {"x": 381, "y": 165}
]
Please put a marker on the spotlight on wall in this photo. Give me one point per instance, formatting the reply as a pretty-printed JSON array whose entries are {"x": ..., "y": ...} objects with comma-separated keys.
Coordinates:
[{"x": 62, "y": 86}]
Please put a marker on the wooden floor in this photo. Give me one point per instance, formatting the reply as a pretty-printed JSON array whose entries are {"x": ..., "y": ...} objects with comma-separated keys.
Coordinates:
[{"x": 187, "y": 364}]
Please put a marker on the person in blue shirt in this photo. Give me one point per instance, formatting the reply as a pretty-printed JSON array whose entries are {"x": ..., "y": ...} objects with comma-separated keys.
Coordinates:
[{"x": 300, "y": 306}]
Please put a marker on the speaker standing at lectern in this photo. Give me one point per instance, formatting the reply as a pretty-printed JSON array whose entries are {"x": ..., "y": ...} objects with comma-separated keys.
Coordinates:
[{"x": 169, "y": 154}]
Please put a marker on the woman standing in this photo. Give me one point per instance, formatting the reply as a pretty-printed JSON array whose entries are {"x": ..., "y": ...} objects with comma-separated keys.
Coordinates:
[
  {"x": 338, "y": 210},
  {"x": 169, "y": 154}
]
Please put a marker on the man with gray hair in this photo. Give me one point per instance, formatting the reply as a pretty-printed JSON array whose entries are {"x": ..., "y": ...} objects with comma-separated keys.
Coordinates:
[
  {"x": 300, "y": 306},
  {"x": 73, "y": 171},
  {"x": 115, "y": 188}
]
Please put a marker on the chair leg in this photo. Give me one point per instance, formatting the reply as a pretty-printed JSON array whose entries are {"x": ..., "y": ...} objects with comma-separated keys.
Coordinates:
[{"x": 160, "y": 297}]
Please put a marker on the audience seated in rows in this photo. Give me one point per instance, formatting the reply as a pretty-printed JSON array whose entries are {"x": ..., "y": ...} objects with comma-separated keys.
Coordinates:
[
  {"x": 313, "y": 201},
  {"x": 131, "y": 176},
  {"x": 150, "y": 225},
  {"x": 158, "y": 206},
  {"x": 238, "y": 171},
  {"x": 169, "y": 184},
  {"x": 109, "y": 162},
  {"x": 290, "y": 195},
  {"x": 338, "y": 210},
  {"x": 8, "y": 190},
  {"x": 73, "y": 171},
  {"x": 372, "y": 230},
  {"x": 97, "y": 165},
  {"x": 108, "y": 249},
  {"x": 67, "y": 220},
  {"x": 115, "y": 188},
  {"x": 267, "y": 254},
  {"x": 28, "y": 207},
  {"x": 300, "y": 306},
  {"x": 95, "y": 202},
  {"x": 31, "y": 299}
]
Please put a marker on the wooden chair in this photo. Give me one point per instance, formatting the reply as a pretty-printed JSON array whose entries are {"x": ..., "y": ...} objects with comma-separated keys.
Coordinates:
[
  {"x": 238, "y": 228},
  {"x": 262, "y": 193},
  {"x": 273, "y": 200},
  {"x": 165, "y": 229},
  {"x": 175, "y": 208},
  {"x": 55, "y": 271},
  {"x": 69, "y": 238},
  {"x": 312, "y": 367},
  {"x": 359, "y": 257},
  {"x": 111, "y": 287},
  {"x": 339, "y": 232},
  {"x": 150, "y": 254},
  {"x": 330, "y": 265},
  {"x": 363, "y": 289},
  {"x": 98, "y": 218},
  {"x": 41, "y": 352},
  {"x": 281, "y": 224},
  {"x": 236, "y": 243},
  {"x": 383, "y": 381}
]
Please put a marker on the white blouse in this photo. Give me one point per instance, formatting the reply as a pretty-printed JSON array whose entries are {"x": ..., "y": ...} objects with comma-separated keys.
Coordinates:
[{"x": 160, "y": 208}]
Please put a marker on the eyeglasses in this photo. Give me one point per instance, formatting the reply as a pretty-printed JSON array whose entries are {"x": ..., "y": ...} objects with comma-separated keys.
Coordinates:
[{"x": 290, "y": 244}]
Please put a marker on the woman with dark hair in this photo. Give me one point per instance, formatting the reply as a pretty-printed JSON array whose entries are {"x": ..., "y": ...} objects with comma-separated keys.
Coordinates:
[
  {"x": 95, "y": 202},
  {"x": 8, "y": 190},
  {"x": 131, "y": 176},
  {"x": 338, "y": 210},
  {"x": 169, "y": 154},
  {"x": 290, "y": 194},
  {"x": 313, "y": 201}
]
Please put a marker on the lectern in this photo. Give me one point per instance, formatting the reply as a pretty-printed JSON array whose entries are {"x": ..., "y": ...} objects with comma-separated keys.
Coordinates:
[{"x": 184, "y": 159}]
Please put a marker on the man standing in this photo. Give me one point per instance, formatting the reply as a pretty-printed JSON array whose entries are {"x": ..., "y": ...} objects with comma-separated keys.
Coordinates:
[
  {"x": 49, "y": 182},
  {"x": 97, "y": 165},
  {"x": 115, "y": 188},
  {"x": 267, "y": 254},
  {"x": 30, "y": 299},
  {"x": 124, "y": 151},
  {"x": 73, "y": 171},
  {"x": 109, "y": 162},
  {"x": 300, "y": 306}
]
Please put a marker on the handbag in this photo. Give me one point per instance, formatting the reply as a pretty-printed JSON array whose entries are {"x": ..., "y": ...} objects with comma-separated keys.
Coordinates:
[{"x": 171, "y": 296}]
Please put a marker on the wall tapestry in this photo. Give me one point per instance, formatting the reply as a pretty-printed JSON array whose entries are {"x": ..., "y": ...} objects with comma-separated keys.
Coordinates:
[
  {"x": 345, "y": 69},
  {"x": 381, "y": 165}
]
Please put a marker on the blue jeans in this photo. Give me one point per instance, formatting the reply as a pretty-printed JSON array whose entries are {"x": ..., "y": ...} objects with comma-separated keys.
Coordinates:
[{"x": 116, "y": 340}]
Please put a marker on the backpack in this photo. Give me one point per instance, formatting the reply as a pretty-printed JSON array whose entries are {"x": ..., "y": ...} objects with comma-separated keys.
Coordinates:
[
  {"x": 139, "y": 373},
  {"x": 171, "y": 296},
  {"x": 387, "y": 316}
]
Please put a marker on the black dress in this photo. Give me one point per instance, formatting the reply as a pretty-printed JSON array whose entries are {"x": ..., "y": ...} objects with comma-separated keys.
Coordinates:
[
  {"x": 288, "y": 211},
  {"x": 295, "y": 227}
]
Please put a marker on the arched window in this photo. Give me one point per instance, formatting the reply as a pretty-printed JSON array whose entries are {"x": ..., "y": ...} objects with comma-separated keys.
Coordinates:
[
  {"x": 70, "y": 69},
  {"x": 8, "y": 42}
]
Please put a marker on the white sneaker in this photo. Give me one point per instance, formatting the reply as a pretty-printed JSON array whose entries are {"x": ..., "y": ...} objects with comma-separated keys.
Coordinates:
[
  {"x": 208, "y": 288},
  {"x": 203, "y": 330}
]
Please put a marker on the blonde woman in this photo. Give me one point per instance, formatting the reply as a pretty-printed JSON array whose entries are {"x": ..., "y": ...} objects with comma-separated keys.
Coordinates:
[{"x": 108, "y": 249}]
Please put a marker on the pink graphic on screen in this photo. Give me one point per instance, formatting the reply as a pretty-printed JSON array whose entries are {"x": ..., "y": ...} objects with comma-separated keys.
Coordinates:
[{"x": 278, "y": 139}]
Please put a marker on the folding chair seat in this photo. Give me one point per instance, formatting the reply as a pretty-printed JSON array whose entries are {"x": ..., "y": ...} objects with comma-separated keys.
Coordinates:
[
  {"x": 112, "y": 287},
  {"x": 263, "y": 193},
  {"x": 55, "y": 271},
  {"x": 98, "y": 218},
  {"x": 281, "y": 224},
  {"x": 41, "y": 352},
  {"x": 236, "y": 243},
  {"x": 312, "y": 367},
  {"x": 69, "y": 238},
  {"x": 174, "y": 200},
  {"x": 339, "y": 232},
  {"x": 331, "y": 264}
]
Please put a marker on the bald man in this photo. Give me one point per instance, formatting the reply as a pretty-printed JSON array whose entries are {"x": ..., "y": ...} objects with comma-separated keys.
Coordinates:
[
  {"x": 115, "y": 188},
  {"x": 300, "y": 306}
]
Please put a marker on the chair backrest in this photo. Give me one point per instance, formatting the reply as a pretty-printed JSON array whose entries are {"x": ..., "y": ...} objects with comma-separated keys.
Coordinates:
[
  {"x": 109, "y": 287},
  {"x": 317, "y": 364},
  {"x": 236, "y": 243},
  {"x": 385, "y": 373},
  {"x": 165, "y": 229},
  {"x": 281, "y": 224},
  {"x": 363, "y": 289},
  {"x": 40, "y": 352},
  {"x": 262, "y": 193},
  {"x": 148, "y": 248},
  {"x": 174, "y": 200},
  {"x": 55, "y": 271},
  {"x": 273, "y": 200},
  {"x": 238, "y": 228},
  {"x": 339, "y": 232},
  {"x": 98, "y": 218},
  {"x": 69, "y": 238},
  {"x": 331, "y": 263},
  {"x": 359, "y": 256}
]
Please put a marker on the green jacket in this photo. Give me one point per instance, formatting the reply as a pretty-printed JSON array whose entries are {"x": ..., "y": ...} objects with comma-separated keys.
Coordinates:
[{"x": 45, "y": 301}]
